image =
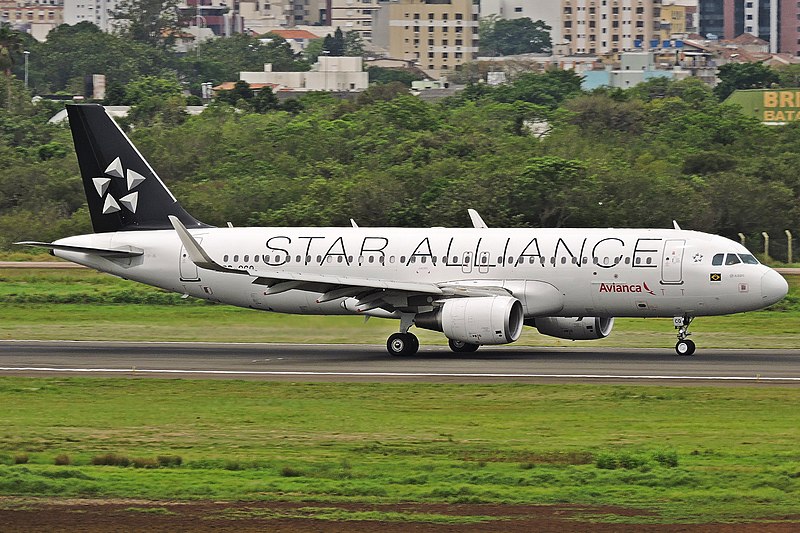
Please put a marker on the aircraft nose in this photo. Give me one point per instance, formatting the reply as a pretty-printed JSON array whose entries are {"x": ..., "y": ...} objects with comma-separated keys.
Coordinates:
[{"x": 773, "y": 287}]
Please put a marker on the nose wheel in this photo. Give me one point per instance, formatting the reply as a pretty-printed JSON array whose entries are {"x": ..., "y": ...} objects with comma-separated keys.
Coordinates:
[{"x": 684, "y": 345}]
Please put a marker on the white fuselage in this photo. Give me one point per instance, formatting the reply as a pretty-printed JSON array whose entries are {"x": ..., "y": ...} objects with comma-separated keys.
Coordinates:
[{"x": 592, "y": 272}]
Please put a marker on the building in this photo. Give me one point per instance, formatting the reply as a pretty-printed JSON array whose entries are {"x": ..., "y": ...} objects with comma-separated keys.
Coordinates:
[
  {"x": 609, "y": 26},
  {"x": 548, "y": 11},
  {"x": 770, "y": 106},
  {"x": 328, "y": 74},
  {"x": 36, "y": 17},
  {"x": 677, "y": 21},
  {"x": 97, "y": 12},
  {"x": 297, "y": 39},
  {"x": 353, "y": 15},
  {"x": 435, "y": 35},
  {"x": 634, "y": 68},
  {"x": 775, "y": 21}
]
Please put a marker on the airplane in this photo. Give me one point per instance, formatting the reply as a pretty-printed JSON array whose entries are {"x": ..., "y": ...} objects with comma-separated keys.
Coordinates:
[{"x": 478, "y": 286}]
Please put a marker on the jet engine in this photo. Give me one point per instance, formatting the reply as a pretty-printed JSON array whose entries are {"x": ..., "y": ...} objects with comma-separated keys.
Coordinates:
[
  {"x": 477, "y": 320},
  {"x": 573, "y": 328}
]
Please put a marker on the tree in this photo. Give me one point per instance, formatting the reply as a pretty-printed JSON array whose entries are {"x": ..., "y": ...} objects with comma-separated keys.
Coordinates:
[
  {"x": 334, "y": 45},
  {"x": 514, "y": 36},
  {"x": 353, "y": 44},
  {"x": 744, "y": 76},
  {"x": 10, "y": 46},
  {"x": 241, "y": 91},
  {"x": 74, "y": 52},
  {"x": 148, "y": 87},
  {"x": 220, "y": 60},
  {"x": 153, "y": 22},
  {"x": 265, "y": 100}
]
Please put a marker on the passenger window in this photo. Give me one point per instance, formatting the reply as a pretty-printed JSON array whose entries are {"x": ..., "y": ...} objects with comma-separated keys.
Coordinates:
[
  {"x": 338, "y": 259},
  {"x": 247, "y": 259},
  {"x": 748, "y": 259},
  {"x": 225, "y": 258},
  {"x": 717, "y": 261},
  {"x": 371, "y": 259},
  {"x": 235, "y": 258},
  {"x": 732, "y": 259},
  {"x": 255, "y": 258},
  {"x": 298, "y": 259},
  {"x": 319, "y": 259},
  {"x": 423, "y": 259}
]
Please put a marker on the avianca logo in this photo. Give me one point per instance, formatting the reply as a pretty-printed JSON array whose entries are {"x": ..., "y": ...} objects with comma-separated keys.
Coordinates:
[{"x": 624, "y": 287}]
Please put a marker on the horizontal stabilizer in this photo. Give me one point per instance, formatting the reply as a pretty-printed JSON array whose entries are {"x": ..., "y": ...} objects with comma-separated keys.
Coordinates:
[{"x": 122, "y": 252}]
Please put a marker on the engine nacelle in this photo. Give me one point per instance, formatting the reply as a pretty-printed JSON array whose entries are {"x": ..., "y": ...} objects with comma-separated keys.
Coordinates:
[
  {"x": 479, "y": 320},
  {"x": 573, "y": 328}
]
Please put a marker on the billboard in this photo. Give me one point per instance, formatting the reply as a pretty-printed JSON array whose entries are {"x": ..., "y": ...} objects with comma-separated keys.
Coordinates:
[{"x": 770, "y": 106}]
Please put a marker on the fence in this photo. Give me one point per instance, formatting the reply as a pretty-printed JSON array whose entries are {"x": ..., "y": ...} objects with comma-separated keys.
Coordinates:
[{"x": 783, "y": 246}]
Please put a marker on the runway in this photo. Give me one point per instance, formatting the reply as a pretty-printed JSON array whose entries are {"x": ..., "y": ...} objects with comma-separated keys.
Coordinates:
[{"x": 350, "y": 362}]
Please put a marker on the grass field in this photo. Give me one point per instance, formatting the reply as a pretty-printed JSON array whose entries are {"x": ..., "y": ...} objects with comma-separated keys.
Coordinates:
[
  {"x": 48, "y": 304},
  {"x": 678, "y": 454}
]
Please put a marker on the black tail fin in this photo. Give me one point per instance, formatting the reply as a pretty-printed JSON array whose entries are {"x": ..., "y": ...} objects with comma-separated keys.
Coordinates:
[{"x": 123, "y": 191}]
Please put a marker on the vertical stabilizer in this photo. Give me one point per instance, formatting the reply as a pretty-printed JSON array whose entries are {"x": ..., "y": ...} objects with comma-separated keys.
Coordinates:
[{"x": 123, "y": 191}]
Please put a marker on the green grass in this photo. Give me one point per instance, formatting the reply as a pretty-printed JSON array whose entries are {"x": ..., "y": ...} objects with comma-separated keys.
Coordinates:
[
  {"x": 93, "y": 306},
  {"x": 678, "y": 454}
]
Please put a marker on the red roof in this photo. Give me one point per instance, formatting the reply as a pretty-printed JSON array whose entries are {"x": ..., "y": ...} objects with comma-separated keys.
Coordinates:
[{"x": 295, "y": 34}]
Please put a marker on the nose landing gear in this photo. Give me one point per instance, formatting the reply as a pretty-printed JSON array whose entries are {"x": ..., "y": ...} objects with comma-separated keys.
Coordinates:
[{"x": 684, "y": 345}]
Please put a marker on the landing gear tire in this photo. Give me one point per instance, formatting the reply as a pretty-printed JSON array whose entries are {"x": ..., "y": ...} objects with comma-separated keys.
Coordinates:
[
  {"x": 462, "y": 347},
  {"x": 402, "y": 344},
  {"x": 685, "y": 347}
]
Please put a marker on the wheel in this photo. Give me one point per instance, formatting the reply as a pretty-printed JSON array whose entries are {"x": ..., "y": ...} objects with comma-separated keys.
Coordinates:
[
  {"x": 461, "y": 346},
  {"x": 402, "y": 344},
  {"x": 685, "y": 347}
]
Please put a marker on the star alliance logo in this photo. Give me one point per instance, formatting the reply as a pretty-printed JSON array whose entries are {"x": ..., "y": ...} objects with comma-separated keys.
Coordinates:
[{"x": 133, "y": 180}]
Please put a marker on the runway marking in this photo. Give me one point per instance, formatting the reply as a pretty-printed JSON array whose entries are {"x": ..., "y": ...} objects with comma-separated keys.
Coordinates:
[{"x": 388, "y": 374}]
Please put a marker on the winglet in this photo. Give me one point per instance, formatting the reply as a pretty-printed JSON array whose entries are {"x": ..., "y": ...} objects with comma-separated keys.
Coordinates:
[
  {"x": 477, "y": 221},
  {"x": 675, "y": 224},
  {"x": 196, "y": 253}
]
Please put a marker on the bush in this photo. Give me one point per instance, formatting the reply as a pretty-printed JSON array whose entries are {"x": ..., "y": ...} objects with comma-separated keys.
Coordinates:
[
  {"x": 63, "y": 459},
  {"x": 111, "y": 459},
  {"x": 144, "y": 462},
  {"x": 667, "y": 459},
  {"x": 21, "y": 459},
  {"x": 169, "y": 460},
  {"x": 288, "y": 471}
]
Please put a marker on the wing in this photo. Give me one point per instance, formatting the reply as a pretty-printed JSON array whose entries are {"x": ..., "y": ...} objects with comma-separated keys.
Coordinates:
[{"x": 369, "y": 293}]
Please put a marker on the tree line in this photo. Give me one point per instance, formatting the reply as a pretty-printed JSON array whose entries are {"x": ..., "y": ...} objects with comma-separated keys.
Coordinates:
[{"x": 538, "y": 152}]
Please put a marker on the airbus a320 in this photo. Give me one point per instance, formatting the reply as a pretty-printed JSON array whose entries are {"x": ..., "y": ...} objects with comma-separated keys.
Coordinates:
[{"x": 479, "y": 285}]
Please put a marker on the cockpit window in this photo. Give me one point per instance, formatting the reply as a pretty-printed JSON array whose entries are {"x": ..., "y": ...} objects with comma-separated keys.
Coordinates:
[
  {"x": 717, "y": 261},
  {"x": 732, "y": 259},
  {"x": 748, "y": 259}
]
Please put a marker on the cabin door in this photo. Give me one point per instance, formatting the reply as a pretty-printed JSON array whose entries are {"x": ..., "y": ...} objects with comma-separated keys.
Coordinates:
[{"x": 672, "y": 262}]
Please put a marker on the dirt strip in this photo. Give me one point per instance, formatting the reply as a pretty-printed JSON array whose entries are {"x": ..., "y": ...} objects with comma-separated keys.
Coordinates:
[{"x": 92, "y": 516}]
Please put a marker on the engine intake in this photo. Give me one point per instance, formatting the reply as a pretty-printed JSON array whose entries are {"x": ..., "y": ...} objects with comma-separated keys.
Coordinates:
[
  {"x": 480, "y": 320},
  {"x": 573, "y": 328}
]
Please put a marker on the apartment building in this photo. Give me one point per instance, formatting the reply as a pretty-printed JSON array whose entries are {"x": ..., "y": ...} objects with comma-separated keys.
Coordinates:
[
  {"x": 609, "y": 26},
  {"x": 775, "y": 21},
  {"x": 97, "y": 12},
  {"x": 436, "y": 35},
  {"x": 36, "y": 17},
  {"x": 353, "y": 15},
  {"x": 547, "y": 10}
]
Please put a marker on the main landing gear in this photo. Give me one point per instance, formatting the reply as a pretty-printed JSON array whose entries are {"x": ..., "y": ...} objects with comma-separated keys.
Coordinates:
[
  {"x": 684, "y": 345},
  {"x": 462, "y": 347},
  {"x": 402, "y": 344}
]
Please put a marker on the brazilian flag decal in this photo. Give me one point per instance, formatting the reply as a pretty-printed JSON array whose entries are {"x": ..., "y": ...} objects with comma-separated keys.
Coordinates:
[{"x": 715, "y": 276}]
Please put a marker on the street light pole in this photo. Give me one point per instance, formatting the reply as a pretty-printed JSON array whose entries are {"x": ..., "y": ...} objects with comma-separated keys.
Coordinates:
[{"x": 26, "y": 53}]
